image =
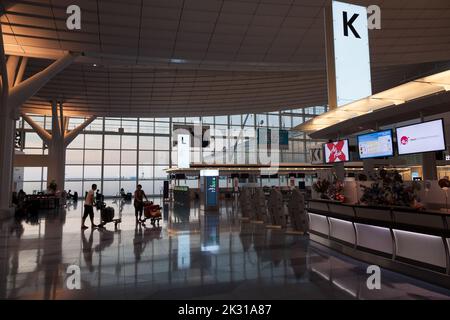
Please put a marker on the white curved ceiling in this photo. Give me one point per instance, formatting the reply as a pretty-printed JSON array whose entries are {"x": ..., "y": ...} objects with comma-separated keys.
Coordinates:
[{"x": 204, "y": 57}]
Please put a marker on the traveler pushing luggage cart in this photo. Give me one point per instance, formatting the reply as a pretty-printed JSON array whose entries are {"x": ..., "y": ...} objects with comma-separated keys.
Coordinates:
[{"x": 139, "y": 196}]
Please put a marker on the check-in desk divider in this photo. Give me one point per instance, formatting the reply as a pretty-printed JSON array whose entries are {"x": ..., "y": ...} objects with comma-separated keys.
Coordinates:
[
  {"x": 260, "y": 206},
  {"x": 245, "y": 204},
  {"x": 276, "y": 210},
  {"x": 297, "y": 213}
]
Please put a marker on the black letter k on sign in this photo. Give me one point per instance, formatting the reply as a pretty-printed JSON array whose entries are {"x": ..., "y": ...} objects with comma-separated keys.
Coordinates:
[{"x": 349, "y": 24}]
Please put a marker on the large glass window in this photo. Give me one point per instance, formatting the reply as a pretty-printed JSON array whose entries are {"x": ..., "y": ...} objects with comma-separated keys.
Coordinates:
[{"x": 127, "y": 151}]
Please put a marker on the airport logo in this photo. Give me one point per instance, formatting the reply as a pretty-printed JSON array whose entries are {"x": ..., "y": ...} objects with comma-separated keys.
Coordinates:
[
  {"x": 336, "y": 151},
  {"x": 404, "y": 140}
]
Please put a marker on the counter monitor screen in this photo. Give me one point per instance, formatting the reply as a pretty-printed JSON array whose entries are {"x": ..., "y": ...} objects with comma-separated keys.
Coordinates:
[
  {"x": 336, "y": 151},
  {"x": 376, "y": 144},
  {"x": 422, "y": 137}
]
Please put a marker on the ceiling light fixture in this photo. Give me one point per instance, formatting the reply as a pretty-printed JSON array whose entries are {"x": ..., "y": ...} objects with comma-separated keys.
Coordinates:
[{"x": 396, "y": 96}]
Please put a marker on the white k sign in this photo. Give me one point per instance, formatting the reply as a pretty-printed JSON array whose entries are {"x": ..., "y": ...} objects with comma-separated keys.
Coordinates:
[{"x": 351, "y": 52}]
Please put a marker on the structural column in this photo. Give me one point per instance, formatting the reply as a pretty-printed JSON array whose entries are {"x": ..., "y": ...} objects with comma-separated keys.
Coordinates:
[
  {"x": 339, "y": 169},
  {"x": 57, "y": 142},
  {"x": 369, "y": 166},
  {"x": 429, "y": 166},
  {"x": 15, "y": 92},
  {"x": 6, "y": 160}
]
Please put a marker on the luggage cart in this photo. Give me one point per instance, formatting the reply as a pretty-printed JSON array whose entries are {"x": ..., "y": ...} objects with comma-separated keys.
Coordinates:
[
  {"x": 107, "y": 216},
  {"x": 152, "y": 212}
]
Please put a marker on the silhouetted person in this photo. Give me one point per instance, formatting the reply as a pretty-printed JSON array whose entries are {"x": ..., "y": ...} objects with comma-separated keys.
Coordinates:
[
  {"x": 89, "y": 207},
  {"x": 138, "y": 240},
  {"x": 139, "y": 196},
  {"x": 106, "y": 239},
  {"x": 87, "y": 249}
]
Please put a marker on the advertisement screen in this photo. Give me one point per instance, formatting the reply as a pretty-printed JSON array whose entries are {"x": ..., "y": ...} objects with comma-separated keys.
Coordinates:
[
  {"x": 336, "y": 151},
  {"x": 376, "y": 144},
  {"x": 421, "y": 137}
]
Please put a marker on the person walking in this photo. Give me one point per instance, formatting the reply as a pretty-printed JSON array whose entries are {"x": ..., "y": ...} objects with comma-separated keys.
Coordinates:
[
  {"x": 89, "y": 207},
  {"x": 139, "y": 196}
]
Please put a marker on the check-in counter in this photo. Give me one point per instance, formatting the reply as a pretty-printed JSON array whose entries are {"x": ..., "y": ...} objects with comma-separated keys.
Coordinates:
[{"x": 403, "y": 239}]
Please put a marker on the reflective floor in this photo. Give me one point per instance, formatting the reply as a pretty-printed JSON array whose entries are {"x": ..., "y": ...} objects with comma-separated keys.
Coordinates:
[{"x": 190, "y": 256}]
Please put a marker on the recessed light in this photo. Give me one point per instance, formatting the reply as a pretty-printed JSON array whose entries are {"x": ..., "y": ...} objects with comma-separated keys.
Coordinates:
[{"x": 94, "y": 65}]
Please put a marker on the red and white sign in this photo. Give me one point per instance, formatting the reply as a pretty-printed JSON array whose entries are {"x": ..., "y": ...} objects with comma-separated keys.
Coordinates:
[{"x": 336, "y": 151}]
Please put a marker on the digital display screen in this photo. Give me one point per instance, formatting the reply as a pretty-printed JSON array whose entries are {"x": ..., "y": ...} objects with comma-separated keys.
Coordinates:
[
  {"x": 336, "y": 151},
  {"x": 422, "y": 137},
  {"x": 211, "y": 191},
  {"x": 376, "y": 144}
]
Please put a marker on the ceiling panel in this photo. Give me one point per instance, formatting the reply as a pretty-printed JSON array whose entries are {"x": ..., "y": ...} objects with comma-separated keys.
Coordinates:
[{"x": 156, "y": 57}]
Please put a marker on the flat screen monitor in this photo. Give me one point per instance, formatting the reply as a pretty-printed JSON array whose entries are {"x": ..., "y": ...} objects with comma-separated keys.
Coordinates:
[
  {"x": 336, "y": 151},
  {"x": 376, "y": 144},
  {"x": 422, "y": 137}
]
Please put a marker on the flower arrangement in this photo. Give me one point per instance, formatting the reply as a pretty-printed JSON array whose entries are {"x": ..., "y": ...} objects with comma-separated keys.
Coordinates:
[
  {"x": 336, "y": 191},
  {"x": 330, "y": 190},
  {"x": 389, "y": 190},
  {"x": 321, "y": 186}
]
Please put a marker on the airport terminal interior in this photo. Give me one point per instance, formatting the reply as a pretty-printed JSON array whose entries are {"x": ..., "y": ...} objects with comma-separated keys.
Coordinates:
[{"x": 225, "y": 149}]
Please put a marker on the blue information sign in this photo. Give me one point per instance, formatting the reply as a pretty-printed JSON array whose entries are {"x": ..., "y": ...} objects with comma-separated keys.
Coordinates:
[{"x": 211, "y": 191}]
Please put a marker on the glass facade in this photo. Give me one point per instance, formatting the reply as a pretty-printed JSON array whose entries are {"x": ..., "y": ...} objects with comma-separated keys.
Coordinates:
[{"x": 118, "y": 153}]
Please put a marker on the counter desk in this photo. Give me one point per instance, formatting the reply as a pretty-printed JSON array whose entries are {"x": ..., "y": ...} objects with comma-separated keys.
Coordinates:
[{"x": 402, "y": 239}]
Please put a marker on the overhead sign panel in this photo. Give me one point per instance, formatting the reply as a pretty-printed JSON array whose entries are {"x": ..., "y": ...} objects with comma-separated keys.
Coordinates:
[
  {"x": 184, "y": 150},
  {"x": 351, "y": 52}
]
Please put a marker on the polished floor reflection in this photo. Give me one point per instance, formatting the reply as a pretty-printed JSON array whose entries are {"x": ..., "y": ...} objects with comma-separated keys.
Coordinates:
[{"x": 190, "y": 256}]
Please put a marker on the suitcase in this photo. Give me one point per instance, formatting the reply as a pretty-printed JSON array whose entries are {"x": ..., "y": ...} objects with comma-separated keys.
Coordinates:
[
  {"x": 147, "y": 211},
  {"x": 151, "y": 211},
  {"x": 108, "y": 214}
]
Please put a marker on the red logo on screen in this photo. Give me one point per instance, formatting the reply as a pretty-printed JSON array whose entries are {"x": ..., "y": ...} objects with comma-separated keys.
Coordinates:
[
  {"x": 336, "y": 153},
  {"x": 404, "y": 140}
]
